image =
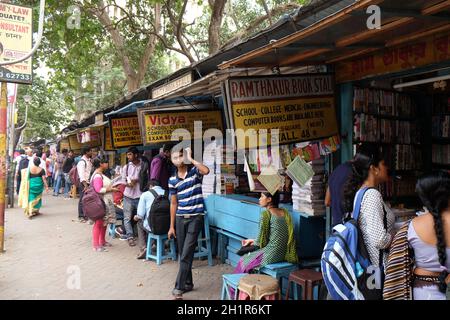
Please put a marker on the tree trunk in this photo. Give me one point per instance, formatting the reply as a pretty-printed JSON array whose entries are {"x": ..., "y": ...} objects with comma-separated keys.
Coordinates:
[{"x": 217, "y": 10}]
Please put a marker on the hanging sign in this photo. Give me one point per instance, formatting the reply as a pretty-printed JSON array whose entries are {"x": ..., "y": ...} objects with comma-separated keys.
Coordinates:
[
  {"x": 108, "y": 146},
  {"x": 172, "y": 86},
  {"x": 16, "y": 32},
  {"x": 301, "y": 107},
  {"x": 74, "y": 143},
  {"x": 159, "y": 126},
  {"x": 125, "y": 132},
  {"x": 429, "y": 50}
]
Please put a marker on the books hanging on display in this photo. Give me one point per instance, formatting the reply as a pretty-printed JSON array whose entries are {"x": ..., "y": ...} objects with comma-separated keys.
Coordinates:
[{"x": 299, "y": 171}]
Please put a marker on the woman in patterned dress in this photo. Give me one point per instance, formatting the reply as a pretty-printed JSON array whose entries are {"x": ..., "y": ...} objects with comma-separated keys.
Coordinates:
[
  {"x": 276, "y": 242},
  {"x": 369, "y": 170}
]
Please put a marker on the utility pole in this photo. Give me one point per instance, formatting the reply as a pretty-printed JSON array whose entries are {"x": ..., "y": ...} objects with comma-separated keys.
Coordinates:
[
  {"x": 3, "y": 122},
  {"x": 3, "y": 152}
]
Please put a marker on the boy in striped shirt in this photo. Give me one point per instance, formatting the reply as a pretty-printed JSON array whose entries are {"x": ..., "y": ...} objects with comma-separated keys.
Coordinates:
[{"x": 186, "y": 214}]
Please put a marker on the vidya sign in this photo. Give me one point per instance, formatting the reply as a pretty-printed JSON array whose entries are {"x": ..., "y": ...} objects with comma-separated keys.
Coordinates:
[
  {"x": 159, "y": 126},
  {"x": 172, "y": 86},
  {"x": 301, "y": 107},
  {"x": 16, "y": 32},
  {"x": 125, "y": 132}
]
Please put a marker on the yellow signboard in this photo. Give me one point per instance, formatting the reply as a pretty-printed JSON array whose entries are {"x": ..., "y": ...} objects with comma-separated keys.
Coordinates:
[
  {"x": 74, "y": 144},
  {"x": 107, "y": 139},
  {"x": 16, "y": 31},
  {"x": 300, "y": 107},
  {"x": 416, "y": 54},
  {"x": 64, "y": 144},
  {"x": 125, "y": 132},
  {"x": 159, "y": 126}
]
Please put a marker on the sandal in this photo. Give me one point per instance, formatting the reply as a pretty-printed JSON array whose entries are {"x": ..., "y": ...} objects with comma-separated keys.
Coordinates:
[
  {"x": 107, "y": 244},
  {"x": 131, "y": 242}
]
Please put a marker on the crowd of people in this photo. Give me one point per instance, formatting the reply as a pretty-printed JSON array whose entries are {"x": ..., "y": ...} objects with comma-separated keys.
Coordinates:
[{"x": 128, "y": 195}]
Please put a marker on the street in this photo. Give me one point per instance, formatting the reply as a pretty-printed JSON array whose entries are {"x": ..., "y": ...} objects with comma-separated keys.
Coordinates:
[{"x": 51, "y": 257}]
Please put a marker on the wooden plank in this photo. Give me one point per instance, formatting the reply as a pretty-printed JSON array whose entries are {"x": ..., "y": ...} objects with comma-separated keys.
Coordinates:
[{"x": 436, "y": 8}]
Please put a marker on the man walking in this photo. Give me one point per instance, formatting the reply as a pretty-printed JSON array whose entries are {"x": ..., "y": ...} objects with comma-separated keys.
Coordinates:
[
  {"x": 186, "y": 214},
  {"x": 132, "y": 192},
  {"x": 60, "y": 158},
  {"x": 66, "y": 167},
  {"x": 84, "y": 168}
]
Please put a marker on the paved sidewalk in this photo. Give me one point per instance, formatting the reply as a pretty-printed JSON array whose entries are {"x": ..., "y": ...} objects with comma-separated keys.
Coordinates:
[{"x": 45, "y": 255}]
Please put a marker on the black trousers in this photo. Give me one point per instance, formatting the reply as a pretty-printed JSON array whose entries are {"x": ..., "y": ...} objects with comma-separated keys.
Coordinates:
[
  {"x": 187, "y": 230},
  {"x": 80, "y": 208}
]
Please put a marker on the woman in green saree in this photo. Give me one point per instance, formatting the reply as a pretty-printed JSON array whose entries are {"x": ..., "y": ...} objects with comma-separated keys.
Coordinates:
[{"x": 32, "y": 187}]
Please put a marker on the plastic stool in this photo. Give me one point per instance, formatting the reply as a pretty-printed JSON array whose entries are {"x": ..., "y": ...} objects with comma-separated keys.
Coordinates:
[
  {"x": 279, "y": 271},
  {"x": 258, "y": 287},
  {"x": 231, "y": 281},
  {"x": 204, "y": 251},
  {"x": 307, "y": 279},
  {"x": 160, "y": 256},
  {"x": 112, "y": 230}
]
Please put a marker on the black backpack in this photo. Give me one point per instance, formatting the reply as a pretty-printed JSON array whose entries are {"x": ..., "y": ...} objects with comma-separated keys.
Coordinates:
[{"x": 159, "y": 214}]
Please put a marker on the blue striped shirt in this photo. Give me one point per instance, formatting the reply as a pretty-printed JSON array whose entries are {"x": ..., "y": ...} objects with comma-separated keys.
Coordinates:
[{"x": 188, "y": 192}]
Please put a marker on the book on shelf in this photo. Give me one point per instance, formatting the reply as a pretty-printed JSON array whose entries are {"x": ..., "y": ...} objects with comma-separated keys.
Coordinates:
[{"x": 441, "y": 153}]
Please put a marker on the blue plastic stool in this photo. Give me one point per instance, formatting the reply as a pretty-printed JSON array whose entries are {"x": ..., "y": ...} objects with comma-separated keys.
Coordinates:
[
  {"x": 230, "y": 281},
  {"x": 204, "y": 243},
  {"x": 279, "y": 271},
  {"x": 160, "y": 256},
  {"x": 112, "y": 230}
]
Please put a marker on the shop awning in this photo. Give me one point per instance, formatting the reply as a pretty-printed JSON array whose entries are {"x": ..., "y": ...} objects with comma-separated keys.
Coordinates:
[
  {"x": 343, "y": 34},
  {"x": 132, "y": 107}
]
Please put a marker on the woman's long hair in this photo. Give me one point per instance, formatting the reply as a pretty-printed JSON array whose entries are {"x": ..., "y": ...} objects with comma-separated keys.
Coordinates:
[
  {"x": 366, "y": 155},
  {"x": 434, "y": 191}
]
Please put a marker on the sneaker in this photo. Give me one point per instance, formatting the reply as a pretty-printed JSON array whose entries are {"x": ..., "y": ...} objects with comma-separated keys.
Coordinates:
[
  {"x": 177, "y": 294},
  {"x": 123, "y": 237},
  {"x": 81, "y": 220}
]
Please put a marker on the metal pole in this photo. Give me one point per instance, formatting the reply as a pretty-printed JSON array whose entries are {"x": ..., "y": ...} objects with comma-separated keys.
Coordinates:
[{"x": 3, "y": 151}]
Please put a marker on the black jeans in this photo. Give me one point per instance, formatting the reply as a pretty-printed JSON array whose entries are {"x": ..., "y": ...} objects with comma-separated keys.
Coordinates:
[
  {"x": 80, "y": 208},
  {"x": 187, "y": 230}
]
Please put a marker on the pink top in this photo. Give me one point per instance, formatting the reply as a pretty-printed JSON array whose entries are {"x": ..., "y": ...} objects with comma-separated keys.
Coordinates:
[{"x": 97, "y": 183}]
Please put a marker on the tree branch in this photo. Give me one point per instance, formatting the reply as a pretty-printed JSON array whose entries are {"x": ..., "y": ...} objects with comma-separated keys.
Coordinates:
[{"x": 258, "y": 21}]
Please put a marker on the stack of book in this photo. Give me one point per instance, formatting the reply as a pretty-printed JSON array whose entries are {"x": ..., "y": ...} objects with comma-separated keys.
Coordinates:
[{"x": 310, "y": 198}]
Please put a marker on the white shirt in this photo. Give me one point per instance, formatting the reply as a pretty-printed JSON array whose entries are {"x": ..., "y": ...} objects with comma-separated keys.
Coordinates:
[{"x": 84, "y": 169}]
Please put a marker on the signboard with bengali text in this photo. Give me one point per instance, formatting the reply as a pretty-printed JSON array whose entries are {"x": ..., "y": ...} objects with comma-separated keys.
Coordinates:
[{"x": 420, "y": 53}]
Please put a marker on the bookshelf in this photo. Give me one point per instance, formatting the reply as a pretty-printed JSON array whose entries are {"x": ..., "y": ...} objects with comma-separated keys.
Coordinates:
[
  {"x": 392, "y": 121},
  {"x": 440, "y": 131}
]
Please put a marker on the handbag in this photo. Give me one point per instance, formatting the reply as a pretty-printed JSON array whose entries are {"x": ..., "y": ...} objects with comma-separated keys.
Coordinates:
[{"x": 246, "y": 249}]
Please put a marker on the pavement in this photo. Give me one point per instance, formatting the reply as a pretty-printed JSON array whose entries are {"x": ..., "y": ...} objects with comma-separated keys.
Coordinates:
[{"x": 50, "y": 257}]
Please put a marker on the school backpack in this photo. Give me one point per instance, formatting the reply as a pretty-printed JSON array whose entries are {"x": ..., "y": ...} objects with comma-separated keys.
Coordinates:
[
  {"x": 159, "y": 214},
  {"x": 345, "y": 261},
  {"x": 73, "y": 175},
  {"x": 92, "y": 204}
]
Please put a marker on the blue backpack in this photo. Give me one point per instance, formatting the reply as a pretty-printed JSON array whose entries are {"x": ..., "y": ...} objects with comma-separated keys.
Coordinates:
[{"x": 345, "y": 259}]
